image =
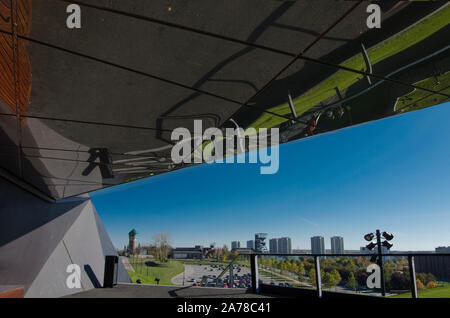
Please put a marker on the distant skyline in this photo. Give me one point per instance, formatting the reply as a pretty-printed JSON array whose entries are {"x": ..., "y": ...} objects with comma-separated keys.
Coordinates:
[{"x": 392, "y": 174}]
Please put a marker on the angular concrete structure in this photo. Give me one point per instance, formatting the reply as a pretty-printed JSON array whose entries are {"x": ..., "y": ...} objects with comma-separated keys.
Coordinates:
[{"x": 40, "y": 239}]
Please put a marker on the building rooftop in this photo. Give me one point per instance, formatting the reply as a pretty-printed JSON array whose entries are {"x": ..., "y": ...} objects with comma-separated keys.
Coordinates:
[{"x": 153, "y": 291}]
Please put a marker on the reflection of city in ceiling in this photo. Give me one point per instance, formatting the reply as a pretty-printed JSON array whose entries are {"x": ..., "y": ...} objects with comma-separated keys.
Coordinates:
[{"x": 90, "y": 108}]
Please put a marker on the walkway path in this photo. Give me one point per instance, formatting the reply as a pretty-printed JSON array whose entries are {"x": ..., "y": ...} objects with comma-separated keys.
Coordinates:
[{"x": 127, "y": 264}]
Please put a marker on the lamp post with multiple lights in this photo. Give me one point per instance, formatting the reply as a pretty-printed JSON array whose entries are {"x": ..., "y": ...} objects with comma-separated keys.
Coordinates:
[{"x": 369, "y": 237}]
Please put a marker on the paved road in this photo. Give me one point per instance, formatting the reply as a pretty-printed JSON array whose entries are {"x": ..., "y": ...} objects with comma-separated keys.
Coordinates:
[
  {"x": 196, "y": 272},
  {"x": 127, "y": 264}
]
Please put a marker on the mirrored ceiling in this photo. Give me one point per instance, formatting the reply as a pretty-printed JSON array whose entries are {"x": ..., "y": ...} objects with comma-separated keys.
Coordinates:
[{"x": 89, "y": 108}]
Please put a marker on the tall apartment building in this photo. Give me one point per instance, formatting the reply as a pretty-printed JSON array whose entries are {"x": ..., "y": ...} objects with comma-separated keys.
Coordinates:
[
  {"x": 317, "y": 245},
  {"x": 273, "y": 246},
  {"x": 337, "y": 245},
  {"x": 251, "y": 244},
  {"x": 285, "y": 245},
  {"x": 260, "y": 242},
  {"x": 235, "y": 245}
]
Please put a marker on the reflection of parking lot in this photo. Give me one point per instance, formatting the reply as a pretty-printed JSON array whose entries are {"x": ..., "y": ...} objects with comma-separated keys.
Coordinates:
[{"x": 193, "y": 275}]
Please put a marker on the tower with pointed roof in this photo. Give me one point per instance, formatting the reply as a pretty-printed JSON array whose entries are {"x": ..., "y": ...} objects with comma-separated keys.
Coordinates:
[{"x": 132, "y": 241}]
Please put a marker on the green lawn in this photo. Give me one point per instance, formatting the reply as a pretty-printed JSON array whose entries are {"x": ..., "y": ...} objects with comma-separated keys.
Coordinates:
[
  {"x": 147, "y": 269},
  {"x": 438, "y": 292},
  {"x": 344, "y": 79}
]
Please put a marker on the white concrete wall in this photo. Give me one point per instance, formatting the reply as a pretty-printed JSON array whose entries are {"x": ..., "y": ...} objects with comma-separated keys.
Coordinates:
[{"x": 39, "y": 239}]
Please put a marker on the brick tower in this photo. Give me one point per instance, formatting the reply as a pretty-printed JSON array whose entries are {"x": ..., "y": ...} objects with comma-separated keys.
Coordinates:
[{"x": 132, "y": 241}]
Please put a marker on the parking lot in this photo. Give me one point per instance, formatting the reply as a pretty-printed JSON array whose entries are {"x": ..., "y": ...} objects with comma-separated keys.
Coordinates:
[{"x": 206, "y": 275}]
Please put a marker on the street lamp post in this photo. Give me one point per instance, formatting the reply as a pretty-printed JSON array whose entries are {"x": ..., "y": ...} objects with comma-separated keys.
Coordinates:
[
  {"x": 380, "y": 264},
  {"x": 379, "y": 244}
]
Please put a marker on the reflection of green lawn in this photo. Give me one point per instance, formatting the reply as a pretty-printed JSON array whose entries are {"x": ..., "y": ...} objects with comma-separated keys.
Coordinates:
[
  {"x": 344, "y": 79},
  {"x": 420, "y": 99},
  {"x": 437, "y": 292}
]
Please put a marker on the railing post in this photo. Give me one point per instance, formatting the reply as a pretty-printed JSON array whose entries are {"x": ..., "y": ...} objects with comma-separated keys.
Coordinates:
[
  {"x": 318, "y": 278},
  {"x": 380, "y": 263},
  {"x": 412, "y": 276},
  {"x": 255, "y": 276},
  {"x": 111, "y": 268}
]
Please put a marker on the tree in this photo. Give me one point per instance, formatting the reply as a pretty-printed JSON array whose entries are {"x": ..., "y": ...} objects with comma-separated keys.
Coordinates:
[
  {"x": 344, "y": 273},
  {"x": 269, "y": 262},
  {"x": 301, "y": 271},
  {"x": 330, "y": 279},
  {"x": 426, "y": 278},
  {"x": 420, "y": 285},
  {"x": 293, "y": 268},
  {"x": 351, "y": 281},
  {"x": 361, "y": 278},
  {"x": 162, "y": 246},
  {"x": 312, "y": 276},
  {"x": 225, "y": 253},
  {"x": 337, "y": 277},
  {"x": 399, "y": 281},
  {"x": 283, "y": 267}
]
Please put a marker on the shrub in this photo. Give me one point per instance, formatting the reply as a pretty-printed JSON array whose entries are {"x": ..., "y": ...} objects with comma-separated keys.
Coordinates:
[
  {"x": 361, "y": 278},
  {"x": 431, "y": 285},
  {"x": 420, "y": 285},
  {"x": 426, "y": 278},
  {"x": 399, "y": 281}
]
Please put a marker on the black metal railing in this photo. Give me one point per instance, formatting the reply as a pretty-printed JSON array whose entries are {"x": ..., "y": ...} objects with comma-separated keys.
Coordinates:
[{"x": 411, "y": 257}]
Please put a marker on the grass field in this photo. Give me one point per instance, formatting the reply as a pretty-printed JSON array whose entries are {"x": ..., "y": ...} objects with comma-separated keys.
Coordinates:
[
  {"x": 344, "y": 79},
  {"x": 438, "y": 292},
  {"x": 147, "y": 270}
]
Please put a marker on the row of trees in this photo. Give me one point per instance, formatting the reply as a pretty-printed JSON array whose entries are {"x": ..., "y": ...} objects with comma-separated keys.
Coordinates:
[
  {"x": 223, "y": 254},
  {"x": 329, "y": 279},
  {"x": 160, "y": 249}
]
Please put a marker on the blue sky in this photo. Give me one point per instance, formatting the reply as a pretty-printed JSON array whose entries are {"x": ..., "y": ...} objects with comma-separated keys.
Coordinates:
[{"x": 392, "y": 174}]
